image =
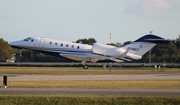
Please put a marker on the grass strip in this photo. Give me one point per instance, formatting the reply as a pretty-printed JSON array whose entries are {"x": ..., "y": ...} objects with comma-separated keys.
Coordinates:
[
  {"x": 98, "y": 84},
  {"x": 87, "y": 100}
]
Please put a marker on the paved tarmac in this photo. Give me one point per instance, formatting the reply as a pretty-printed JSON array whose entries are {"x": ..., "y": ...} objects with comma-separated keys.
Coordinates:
[
  {"x": 88, "y": 91},
  {"x": 95, "y": 77}
]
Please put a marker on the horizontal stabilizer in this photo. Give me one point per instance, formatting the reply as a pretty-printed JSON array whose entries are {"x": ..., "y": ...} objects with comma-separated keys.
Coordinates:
[
  {"x": 116, "y": 60},
  {"x": 152, "y": 39}
]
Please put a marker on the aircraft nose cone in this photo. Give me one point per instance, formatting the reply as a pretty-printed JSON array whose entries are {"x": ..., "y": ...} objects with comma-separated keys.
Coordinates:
[
  {"x": 10, "y": 43},
  {"x": 14, "y": 44}
]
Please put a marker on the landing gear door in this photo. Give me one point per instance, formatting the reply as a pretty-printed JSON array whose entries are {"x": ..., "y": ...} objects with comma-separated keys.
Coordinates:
[{"x": 42, "y": 44}]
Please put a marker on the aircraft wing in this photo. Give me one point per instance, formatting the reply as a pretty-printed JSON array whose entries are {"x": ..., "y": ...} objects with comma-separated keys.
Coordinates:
[
  {"x": 84, "y": 56},
  {"x": 88, "y": 57}
]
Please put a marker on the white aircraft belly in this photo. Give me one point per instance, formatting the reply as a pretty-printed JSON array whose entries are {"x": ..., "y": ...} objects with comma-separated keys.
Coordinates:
[{"x": 82, "y": 56}]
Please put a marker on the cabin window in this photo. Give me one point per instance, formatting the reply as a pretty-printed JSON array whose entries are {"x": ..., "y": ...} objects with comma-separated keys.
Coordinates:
[
  {"x": 72, "y": 46},
  {"x": 56, "y": 44},
  {"x": 66, "y": 45},
  {"x": 61, "y": 44},
  {"x": 77, "y": 47},
  {"x": 50, "y": 43},
  {"x": 32, "y": 40}
]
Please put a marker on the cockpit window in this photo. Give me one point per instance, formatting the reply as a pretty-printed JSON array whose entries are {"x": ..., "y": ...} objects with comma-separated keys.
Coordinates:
[{"x": 28, "y": 39}]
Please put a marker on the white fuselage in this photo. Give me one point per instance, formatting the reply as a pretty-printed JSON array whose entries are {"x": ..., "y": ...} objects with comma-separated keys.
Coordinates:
[
  {"x": 75, "y": 51},
  {"x": 50, "y": 45}
]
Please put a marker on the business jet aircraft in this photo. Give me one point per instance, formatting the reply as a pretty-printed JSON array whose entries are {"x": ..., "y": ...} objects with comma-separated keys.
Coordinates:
[{"x": 94, "y": 53}]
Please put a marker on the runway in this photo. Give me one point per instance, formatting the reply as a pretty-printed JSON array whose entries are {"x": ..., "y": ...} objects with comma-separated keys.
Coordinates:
[
  {"x": 88, "y": 91},
  {"x": 95, "y": 77}
]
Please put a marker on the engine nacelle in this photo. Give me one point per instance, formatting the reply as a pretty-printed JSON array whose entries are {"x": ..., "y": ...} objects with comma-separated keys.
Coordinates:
[{"x": 107, "y": 50}]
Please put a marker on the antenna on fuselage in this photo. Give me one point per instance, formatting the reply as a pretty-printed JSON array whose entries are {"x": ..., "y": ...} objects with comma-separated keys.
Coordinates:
[{"x": 150, "y": 32}]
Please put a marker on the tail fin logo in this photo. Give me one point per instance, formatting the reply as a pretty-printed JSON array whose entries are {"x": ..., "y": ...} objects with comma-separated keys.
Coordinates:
[{"x": 140, "y": 46}]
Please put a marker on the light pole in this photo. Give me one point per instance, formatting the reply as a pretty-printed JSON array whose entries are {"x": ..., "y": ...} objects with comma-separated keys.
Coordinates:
[{"x": 150, "y": 52}]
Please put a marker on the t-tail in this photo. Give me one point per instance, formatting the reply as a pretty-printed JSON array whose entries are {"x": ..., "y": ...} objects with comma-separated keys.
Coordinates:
[{"x": 142, "y": 45}]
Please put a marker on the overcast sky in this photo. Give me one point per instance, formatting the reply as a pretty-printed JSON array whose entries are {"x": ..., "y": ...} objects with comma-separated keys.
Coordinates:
[{"x": 70, "y": 20}]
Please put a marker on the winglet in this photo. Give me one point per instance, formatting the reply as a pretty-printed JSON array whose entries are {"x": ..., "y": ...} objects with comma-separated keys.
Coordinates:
[{"x": 152, "y": 39}]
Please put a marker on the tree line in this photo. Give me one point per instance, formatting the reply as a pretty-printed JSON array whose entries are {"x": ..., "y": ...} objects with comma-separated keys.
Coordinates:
[{"x": 160, "y": 53}]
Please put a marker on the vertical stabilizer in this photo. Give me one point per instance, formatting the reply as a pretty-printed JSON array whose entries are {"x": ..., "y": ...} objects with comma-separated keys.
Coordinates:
[{"x": 144, "y": 44}]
